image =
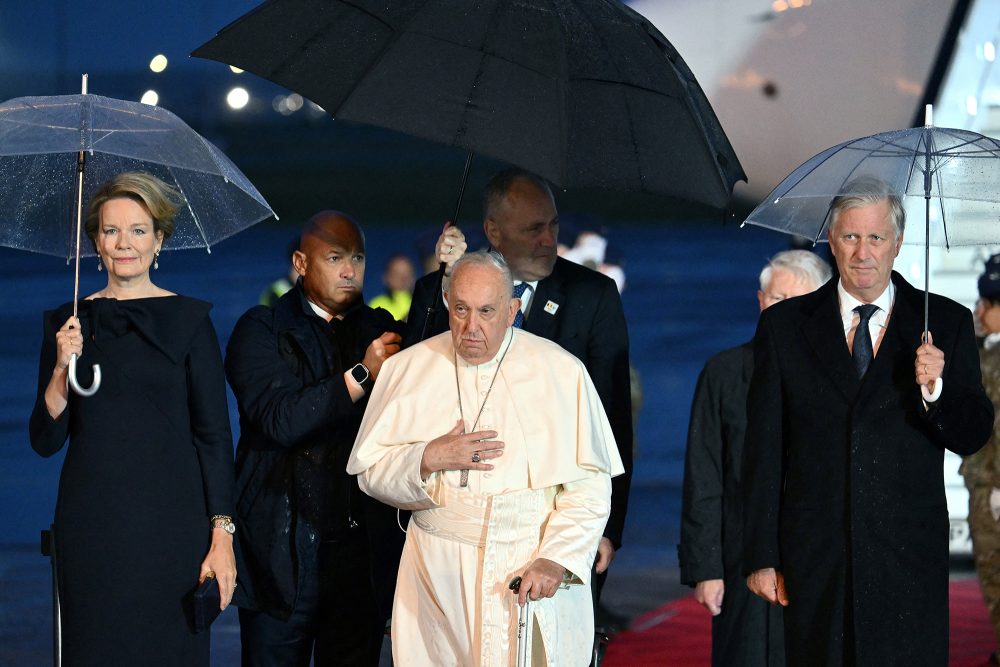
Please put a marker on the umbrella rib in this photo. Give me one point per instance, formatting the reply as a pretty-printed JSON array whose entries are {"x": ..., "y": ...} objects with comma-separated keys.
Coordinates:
[
  {"x": 390, "y": 43},
  {"x": 194, "y": 216},
  {"x": 631, "y": 126},
  {"x": 463, "y": 123},
  {"x": 913, "y": 167},
  {"x": 944, "y": 222},
  {"x": 936, "y": 173}
]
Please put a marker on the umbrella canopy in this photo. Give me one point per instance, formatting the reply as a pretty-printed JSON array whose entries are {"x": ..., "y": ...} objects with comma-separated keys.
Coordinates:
[
  {"x": 40, "y": 142},
  {"x": 957, "y": 168},
  {"x": 586, "y": 93}
]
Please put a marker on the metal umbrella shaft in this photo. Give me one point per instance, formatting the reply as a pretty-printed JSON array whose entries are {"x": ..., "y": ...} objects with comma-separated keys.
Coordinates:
[
  {"x": 929, "y": 395},
  {"x": 80, "y": 161}
]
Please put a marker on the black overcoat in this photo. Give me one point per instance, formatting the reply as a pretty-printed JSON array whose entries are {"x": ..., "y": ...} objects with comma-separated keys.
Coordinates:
[
  {"x": 843, "y": 487},
  {"x": 749, "y": 631}
]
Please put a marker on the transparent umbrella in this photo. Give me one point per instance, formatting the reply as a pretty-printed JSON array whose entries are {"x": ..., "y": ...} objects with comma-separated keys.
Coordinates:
[
  {"x": 947, "y": 177},
  {"x": 55, "y": 151}
]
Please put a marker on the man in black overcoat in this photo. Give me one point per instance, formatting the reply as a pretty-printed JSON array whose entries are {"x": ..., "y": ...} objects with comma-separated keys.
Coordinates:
[
  {"x": 576, "y": 307},
  {"x": 846, "y": 522},
  {"x": 310, "y": 583},
  {"x": 746, "y": 630}
]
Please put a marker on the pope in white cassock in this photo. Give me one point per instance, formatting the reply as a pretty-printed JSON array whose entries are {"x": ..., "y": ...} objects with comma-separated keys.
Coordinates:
[{"x": 518, "y": 484}]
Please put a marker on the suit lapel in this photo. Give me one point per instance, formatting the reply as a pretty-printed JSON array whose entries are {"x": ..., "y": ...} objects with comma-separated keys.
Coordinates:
[
  {"x": 907, "y": 313},
  {"x": 541, "y": 320},
  {"x": 824, "y": 332}
]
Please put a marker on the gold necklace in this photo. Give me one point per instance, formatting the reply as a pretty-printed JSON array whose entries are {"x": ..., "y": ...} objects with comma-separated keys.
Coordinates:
[{"x": 464, "y": 481}]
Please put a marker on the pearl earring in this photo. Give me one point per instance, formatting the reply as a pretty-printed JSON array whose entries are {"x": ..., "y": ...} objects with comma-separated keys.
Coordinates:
[
  {"x": 98, "y": 262},
  {"x": 156, "y": 260}
]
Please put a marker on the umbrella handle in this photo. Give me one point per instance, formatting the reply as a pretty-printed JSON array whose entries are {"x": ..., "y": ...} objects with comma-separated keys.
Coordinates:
[
  {"x": 931, "y": 396},
  {"x": 76, "y": 385}
]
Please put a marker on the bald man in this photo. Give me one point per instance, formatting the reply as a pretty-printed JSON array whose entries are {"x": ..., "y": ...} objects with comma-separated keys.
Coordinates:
[{"x": 301, "y": 371}]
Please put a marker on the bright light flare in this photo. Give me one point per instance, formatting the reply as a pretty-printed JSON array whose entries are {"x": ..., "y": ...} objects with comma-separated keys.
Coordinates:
[
  {"x": 150, "y": 97},
  {"x": 237, "y": 98},
  {"x": 235, "y": 70},
  {"x": 158, "y": 63}
]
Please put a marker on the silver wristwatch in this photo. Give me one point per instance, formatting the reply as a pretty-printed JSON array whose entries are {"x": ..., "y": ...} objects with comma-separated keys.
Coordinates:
[{"x": 224, "y": 522}]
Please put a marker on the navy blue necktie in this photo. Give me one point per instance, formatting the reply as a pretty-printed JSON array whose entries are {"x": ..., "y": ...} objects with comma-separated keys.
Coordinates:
[
  {"x": 518, "y": 293},
  {"x": 862, "y": 351}
]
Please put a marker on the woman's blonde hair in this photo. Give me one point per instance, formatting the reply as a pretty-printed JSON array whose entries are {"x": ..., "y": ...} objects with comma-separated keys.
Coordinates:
[{"x": 160, "y": 200}]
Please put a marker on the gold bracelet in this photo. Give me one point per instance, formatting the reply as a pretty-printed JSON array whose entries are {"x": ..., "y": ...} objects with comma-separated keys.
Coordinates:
[{"x": 224, "y": 522}]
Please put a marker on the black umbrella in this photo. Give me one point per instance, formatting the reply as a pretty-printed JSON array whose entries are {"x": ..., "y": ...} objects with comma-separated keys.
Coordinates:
[{"x": 586, "y": 93}]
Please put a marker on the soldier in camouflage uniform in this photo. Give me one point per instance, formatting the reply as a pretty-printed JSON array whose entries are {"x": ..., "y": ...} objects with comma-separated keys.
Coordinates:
[{"x": 982, "y": 469}]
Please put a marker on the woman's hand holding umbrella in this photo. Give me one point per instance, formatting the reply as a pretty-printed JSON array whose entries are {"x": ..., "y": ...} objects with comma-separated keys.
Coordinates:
[{"x": 69, "y": 342}]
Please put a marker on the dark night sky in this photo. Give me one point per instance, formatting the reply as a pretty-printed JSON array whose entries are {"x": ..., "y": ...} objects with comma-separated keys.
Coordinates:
[
  {"x": 299, "y": 162},
  {"x": 46, "y": 36}
]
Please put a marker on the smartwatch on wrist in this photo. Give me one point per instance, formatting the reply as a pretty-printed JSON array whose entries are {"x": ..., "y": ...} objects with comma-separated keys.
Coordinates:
[{"x": 364, "y": 378}]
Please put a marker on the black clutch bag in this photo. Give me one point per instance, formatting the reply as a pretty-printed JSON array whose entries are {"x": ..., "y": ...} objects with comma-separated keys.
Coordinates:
[{"x": 206, "y": 600}]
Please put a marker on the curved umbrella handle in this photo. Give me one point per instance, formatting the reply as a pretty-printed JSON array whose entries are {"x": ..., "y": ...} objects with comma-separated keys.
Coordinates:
[
  {"x": 931, "y": 396},
  {"x": 76, "y": 385}
]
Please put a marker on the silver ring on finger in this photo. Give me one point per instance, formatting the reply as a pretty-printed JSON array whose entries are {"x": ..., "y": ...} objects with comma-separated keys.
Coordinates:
[{"x": 475, "y": 457}]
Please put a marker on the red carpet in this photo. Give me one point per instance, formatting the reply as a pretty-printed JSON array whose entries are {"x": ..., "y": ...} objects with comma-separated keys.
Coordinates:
[{"x": 678, "y": 634}]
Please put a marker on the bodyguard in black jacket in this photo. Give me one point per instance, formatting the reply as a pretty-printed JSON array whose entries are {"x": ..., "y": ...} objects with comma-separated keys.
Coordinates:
[{"x": 301, "y": 371}]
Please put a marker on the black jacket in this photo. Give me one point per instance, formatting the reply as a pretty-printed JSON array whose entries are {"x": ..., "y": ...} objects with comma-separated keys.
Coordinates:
[
  {"x": 297, "y": 426},
  {"x": 749, "y": 631},
  {"x": 585, "y": 317}
]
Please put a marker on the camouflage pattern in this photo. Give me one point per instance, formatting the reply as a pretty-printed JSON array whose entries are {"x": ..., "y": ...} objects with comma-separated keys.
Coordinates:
[{"x": 982, "y": 473}]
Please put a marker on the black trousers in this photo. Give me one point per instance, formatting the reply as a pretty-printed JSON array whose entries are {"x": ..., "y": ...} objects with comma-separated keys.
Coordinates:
[{"x": 334, "y": 622}]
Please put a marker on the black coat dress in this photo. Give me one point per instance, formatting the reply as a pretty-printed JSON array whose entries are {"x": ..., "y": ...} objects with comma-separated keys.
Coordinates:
[
  {"x": 749, "y": 631},
  {"x": 842, "y": 485},
  {"x": 150, "y": 459}
]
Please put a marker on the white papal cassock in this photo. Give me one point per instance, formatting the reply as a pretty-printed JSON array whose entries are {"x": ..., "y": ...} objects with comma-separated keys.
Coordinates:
[{"x": 547, "y": 497}]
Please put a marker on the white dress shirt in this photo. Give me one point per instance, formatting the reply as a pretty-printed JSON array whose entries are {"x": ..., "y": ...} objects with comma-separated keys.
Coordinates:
[
  {"x": 528, "y": 293},
  {"x": 878, "y": 321}
]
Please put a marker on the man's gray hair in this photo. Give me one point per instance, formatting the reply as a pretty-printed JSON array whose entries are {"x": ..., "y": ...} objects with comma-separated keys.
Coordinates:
[
  {"x": 502, "y": 182},
  {"x": 488, "y": 259},
  {"x": 804, "y": 265},
  {"x": 865, "y": 191}
]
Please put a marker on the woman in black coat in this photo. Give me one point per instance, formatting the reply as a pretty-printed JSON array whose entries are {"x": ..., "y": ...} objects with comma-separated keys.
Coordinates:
[{"x": 145, "y": 496}]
